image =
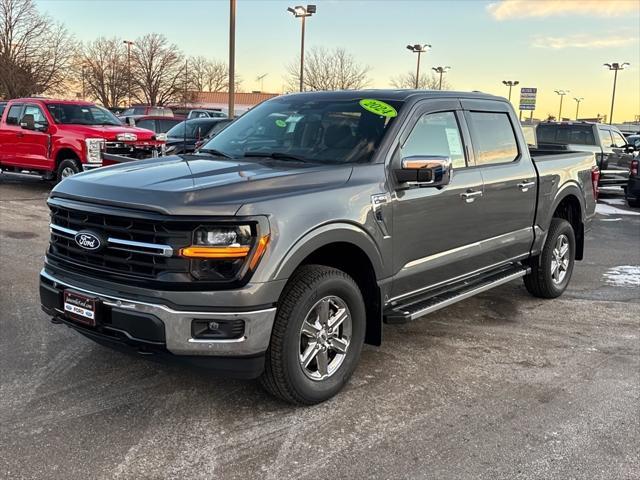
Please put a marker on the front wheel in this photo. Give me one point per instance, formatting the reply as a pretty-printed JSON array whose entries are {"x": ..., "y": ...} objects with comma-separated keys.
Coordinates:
[
  {"x": 67, "y": 168},
  {"x": 551, "y": 271},
  {"x": 317, "y": 336}
]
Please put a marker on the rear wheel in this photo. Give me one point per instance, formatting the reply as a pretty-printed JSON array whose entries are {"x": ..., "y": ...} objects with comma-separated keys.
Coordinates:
[
  {"x": 551, "y": 271},
  {"x": 67, "y": 168},
  {"x": 317, "y": 336}
]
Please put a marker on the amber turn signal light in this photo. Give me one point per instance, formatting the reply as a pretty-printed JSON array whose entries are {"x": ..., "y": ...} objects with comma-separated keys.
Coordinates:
[
  {"x": 260, "y": 249},
  {"x": 214, "y": 252}
]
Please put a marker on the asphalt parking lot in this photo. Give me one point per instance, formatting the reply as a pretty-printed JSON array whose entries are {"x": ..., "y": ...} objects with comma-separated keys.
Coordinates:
[{"x": 501, "y": 386}]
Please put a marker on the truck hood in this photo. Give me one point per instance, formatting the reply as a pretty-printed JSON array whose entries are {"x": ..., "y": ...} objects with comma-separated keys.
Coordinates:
[
  {"x": 108, "y": 132},
  {"x": 197, "y": 184}
]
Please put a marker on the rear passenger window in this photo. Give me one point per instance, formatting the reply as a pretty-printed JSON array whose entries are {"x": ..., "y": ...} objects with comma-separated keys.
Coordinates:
[
  {"x": 436, "y": 134},
  {"x": 14, "y": 114},
  {"x": 493, "y": 138},
  {"x": 148, "y": 124},
  {"x": 605, "y": 138}
]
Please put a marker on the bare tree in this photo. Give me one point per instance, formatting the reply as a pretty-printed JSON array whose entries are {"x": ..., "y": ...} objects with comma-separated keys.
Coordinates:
[
  {"x": 208, "y": 75},
  {"x": 157, "y": 70},
  {"x": 328, "y": 70},
  {"x": 427, "y": 82},
  {"x": 102, "y": 69},
  {"x": 35, "y": 51}
]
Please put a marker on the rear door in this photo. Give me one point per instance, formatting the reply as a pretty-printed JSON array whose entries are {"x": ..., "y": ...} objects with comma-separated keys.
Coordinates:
[
  {"x": 618, "y": 145},
  {"x": 509, "y": 177},
  {"x": 10, "y": 135},
  {"x": 435, "y": 229}
]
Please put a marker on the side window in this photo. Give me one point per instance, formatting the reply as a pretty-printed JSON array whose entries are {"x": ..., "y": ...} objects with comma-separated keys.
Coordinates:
[
  {"x": 618, "y": 140},
  {"x": 38, "y": 116},
  {"x": 605, "y": 138},
  {"x": 166, "y": 125},
  {"x": 436, "y": 134},
  {"x": 148, "y": 124},
  {"x": 493, "y": 138},
  {"x": 14, "y": 114}
]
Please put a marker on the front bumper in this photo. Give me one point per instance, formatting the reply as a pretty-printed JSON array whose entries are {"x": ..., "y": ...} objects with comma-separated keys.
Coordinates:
[{"x": 174, "y": 330}]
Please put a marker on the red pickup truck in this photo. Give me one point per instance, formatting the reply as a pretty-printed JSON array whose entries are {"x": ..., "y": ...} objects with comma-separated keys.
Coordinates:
[{"x": 58, "y": 138}]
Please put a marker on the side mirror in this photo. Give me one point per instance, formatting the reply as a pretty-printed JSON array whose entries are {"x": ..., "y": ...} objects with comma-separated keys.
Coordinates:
[
  {"x": 425, "y": 171},
  {"x": 27, "y": 122},
  {"x": 629, "y": 148}
]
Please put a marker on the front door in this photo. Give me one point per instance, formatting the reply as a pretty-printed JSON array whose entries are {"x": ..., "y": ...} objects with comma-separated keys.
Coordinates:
[
  {"x": 33, "y": 147},
  {"x": 435, "y": 228}
]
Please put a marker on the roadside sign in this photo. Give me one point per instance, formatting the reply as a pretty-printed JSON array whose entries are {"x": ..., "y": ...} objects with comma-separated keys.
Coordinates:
[{"x": 528, "y": 98}]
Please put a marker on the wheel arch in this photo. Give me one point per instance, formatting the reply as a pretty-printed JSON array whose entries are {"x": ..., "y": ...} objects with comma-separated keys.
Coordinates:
[
  {"x": 569, "y": 205},
  {"x": 350, "y": 249}
]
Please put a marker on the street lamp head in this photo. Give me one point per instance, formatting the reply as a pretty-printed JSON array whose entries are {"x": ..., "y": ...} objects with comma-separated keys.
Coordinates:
[
  {"x": 516, "y": 82},
  {"x": 417, "y": 48},
  {"x": 300, "y": 11}
]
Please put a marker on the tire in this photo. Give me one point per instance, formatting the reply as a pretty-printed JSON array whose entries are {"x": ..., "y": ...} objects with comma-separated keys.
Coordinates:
[
  {"x": 310, "y": 289},
  {"x": 542, "y": 282},
  {"x": 67, "y": 168}
]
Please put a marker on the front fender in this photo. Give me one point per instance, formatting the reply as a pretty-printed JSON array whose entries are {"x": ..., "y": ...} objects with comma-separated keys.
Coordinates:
[{"x": 325, "y": 235}]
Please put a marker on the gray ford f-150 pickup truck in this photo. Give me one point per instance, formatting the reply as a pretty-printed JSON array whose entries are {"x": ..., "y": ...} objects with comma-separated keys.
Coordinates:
[{"x": 282, "y": 245}]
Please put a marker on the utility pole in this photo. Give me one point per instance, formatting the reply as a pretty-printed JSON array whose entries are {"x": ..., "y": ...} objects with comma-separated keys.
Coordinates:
[
  {"x": 419, "y": 49},
  {"x": 232, "y": 57},
  {"x": 578, "y": 100},
  {"x": 615, "y": 67},
  {"x": 302, "y": 13},
  {"x": 440, "y": 70},
  {"x": 510, "y": 84},
  {"x": 129, "y": 43},
  {"x": 562, "y": 93},
  {"x": 84, "y": 95}
]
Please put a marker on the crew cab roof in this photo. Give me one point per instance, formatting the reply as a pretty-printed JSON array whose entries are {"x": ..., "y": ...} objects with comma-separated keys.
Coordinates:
[
  {"x": 400, "y": 95},
  {"x": 52, "y": 100}
]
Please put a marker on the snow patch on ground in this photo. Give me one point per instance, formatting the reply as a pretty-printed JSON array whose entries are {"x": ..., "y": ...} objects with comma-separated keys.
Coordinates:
[
  {"x": 603, "y": 209},
  {"x": 623, "y": 276}
]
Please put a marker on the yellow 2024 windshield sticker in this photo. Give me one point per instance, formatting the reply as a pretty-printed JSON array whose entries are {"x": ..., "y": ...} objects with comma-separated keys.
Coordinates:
[{"x": 378, "y": 107}]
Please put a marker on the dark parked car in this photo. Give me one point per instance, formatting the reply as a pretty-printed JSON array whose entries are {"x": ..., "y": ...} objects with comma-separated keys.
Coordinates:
[
  {"x": 157, "y": 124},
  {"x": 632, "y": 192},
  {"x": 612, "y": 151},
  {"x": 279, "y": 248},
  {"x": 186, "y": 136}
]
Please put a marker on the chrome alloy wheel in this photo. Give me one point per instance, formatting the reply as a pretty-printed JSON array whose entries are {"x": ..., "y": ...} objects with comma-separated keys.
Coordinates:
[
  {"x": 324, "y": 338},
  {"x": 67, "y": 172},
  {"x": 561, "y": 256}
]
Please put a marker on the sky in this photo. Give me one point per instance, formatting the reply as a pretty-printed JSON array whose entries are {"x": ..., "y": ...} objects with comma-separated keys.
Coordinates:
[{"x": 547, "y": 44}]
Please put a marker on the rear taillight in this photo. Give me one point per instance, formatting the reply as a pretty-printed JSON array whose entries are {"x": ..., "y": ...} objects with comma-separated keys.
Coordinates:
[
  {"x": 595, "y": 179},
  {"x": 634, "y": 168}
]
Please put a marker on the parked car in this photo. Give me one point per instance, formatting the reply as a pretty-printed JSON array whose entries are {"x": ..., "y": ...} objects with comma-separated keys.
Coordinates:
[
  {"x": 144, "y": 110},
  {"x": 278, "y": 249},
  {"x": 632, "y": 192},
  {"x": 217, "y": 128},
  {"x": 181, "y": 141},
  {"x": 58, "y": 138},
  {"x": 157, "y": 124},
  {"x": 206, "y": 113},
  {"x": 612, "y": 151}
]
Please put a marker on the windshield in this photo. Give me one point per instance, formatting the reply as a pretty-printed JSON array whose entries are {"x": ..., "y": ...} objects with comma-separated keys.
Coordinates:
[
  {"x": 323, "y": 131},
  {"x": 134, "y": 111},
  {"x": 195, "y": 129},
  {"x": 71, "y": 114},
  {"x": 566, "y": 134}
]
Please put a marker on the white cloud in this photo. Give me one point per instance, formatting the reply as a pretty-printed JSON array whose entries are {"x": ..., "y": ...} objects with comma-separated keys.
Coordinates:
[
  {"x": 582, "y": 41},
  {"x": 514, "y": 9}
]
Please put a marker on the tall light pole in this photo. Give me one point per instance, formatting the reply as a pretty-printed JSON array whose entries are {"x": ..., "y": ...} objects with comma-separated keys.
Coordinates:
[
  {"x": 129, "y": 43},
  {"x": 232, "y": 57},
  {"x": 510, "y": 84},
  {"x": 615, "y": 67},
  {"x": 302, "y": 12},
  {"x": 441, "y": 70},
  {"x": 578, "y": 100},
  {"x": 562, "y": 93},
  {"x": 419, "y": 49}
]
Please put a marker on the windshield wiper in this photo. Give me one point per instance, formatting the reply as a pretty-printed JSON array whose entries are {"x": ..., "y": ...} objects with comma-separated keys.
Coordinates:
[
  {"x": 213, "y": 151},
  {"x": 276, "y": 156}
]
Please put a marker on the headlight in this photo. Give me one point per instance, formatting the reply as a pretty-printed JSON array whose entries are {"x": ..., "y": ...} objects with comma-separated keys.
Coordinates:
[
  {"x": 224, "y": 253},
  {"x": 161, "y": 137},
  {"x": 127, "y": 137},
  {"x": 94, "y": 149}
]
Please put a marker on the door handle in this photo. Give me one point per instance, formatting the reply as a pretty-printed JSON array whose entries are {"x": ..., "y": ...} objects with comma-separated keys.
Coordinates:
[
  {"x": 470, "y": 195},
  {"x": 525, "y": 186}
]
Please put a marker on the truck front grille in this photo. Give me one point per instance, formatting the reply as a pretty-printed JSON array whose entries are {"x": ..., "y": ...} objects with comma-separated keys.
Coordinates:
[
  {"x": 130, "y": 150},
  {"x": 132, "y": 247}
]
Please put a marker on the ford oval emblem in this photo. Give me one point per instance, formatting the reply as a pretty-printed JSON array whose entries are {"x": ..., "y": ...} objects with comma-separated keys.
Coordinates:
[{"x": 88, "y": 241}]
